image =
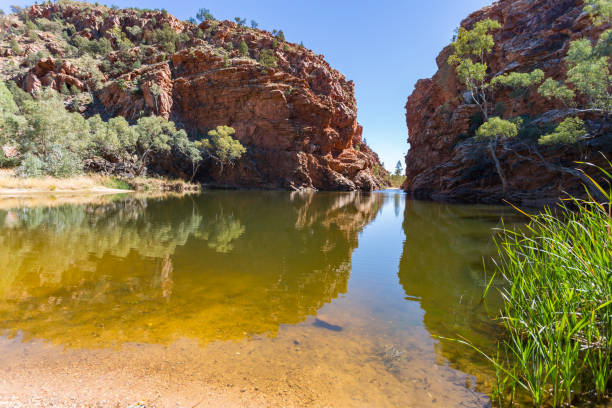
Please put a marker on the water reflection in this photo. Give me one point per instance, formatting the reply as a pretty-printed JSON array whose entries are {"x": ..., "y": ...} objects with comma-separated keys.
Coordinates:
[
  {"x": 442, "y": 268},
  {"x": 210, "y": 267}
]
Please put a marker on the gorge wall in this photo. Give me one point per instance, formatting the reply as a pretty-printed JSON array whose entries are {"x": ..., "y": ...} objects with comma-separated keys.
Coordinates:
[
  {"x": 446, "y": 163},
  {"x": 297, "y": 117}
]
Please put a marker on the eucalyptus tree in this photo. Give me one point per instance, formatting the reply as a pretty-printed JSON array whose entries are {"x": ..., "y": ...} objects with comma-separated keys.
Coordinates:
[{"x": 221, "y": 146}]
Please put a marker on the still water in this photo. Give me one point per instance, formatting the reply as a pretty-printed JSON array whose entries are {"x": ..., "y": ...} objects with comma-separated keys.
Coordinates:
[{"x": 246, "y": 299}]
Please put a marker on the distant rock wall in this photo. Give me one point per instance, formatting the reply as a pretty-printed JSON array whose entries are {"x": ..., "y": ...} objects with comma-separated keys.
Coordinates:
[{"x": 298, "y": 120}]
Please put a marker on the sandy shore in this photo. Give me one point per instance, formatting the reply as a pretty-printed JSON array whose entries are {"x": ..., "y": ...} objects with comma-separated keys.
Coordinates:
[
  {"x": 13, "y": 186},
  {"x": 302, "y": 366}
]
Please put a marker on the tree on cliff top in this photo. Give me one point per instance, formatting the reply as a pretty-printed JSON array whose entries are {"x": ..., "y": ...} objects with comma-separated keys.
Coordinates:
[{"x": 204, "y": 14}]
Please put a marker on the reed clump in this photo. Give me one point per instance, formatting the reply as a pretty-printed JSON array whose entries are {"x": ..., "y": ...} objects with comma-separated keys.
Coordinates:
[{"x": 557, "y": 306}]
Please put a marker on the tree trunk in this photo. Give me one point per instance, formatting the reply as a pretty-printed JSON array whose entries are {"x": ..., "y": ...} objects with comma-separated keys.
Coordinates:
[
  {"x": 567, "y": 170},
  {"x": 492, "y": 149}
]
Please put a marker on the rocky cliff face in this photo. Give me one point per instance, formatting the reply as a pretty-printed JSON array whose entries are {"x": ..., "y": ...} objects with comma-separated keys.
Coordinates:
[
  {"x": 445, "y": 163},
  {"x": 297, "y": 116}
]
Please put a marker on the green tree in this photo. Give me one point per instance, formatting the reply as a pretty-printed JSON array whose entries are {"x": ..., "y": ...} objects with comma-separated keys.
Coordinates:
[
  {"x": 254, "y": 24},
  {"x": 49, "y": 125},
  {"x": 520, "y": 83},
  {"x": 599, "y": 10},
  {"x": 240, "y": 21},
  {"x": 154, "y": 136},
  {"x": 7, "y": 103},
  {"x": 587, "y": 67},
  {"x": 8, "y": 109},
  {"x": 205, "y": 15},
  {"x": 588, "y": 74},
  {"x": 399, "y": 168},
  {"x": 244, "y": 49},
  {"x": 115, "y": 138},
  {"x": 470, "y": 50},
  {"x": 570, "y": 131},
  {"x": 221, "y": 146},
  {"x": 556, "y": 90},
  {"x": 492, "y": 131}
]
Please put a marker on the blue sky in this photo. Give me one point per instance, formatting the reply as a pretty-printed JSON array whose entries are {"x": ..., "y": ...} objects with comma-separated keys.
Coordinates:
[{"x": 384, "y": 46}]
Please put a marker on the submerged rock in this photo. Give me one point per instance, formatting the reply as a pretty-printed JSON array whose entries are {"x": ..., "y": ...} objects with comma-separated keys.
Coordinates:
[{"x": 325, "y": 325}]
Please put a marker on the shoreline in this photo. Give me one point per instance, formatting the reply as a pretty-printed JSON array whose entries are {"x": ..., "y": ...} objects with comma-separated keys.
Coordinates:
[{"x": 87, "y": 184}]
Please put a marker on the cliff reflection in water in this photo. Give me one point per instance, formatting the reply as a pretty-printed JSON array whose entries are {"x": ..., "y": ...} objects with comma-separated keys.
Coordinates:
[
  {"x": 218, "y": 266},
  {"x": 442, "y": 268}
]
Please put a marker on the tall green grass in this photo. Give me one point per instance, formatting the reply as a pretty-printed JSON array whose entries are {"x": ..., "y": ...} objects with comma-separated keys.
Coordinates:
[{"x": 557, "y": 306}]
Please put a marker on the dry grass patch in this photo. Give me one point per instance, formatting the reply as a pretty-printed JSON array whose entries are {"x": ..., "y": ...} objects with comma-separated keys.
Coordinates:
[{"x": 10, "y": 181}]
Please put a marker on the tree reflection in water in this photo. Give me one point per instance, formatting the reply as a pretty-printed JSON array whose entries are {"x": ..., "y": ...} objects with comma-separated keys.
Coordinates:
[{"x": 219, "y": 266}]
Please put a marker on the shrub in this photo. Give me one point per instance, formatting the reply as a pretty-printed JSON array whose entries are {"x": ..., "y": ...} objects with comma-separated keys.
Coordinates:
[
  {"x": 50, "y": 26},
  {"x": 31, "y": 166},
  {"x": 7, "y": 162},
  {"x": 33, "y": 58},
  {"x": 135, "y": 32},
  {"x": 99, "y": 47},
  {"x": 244, "y": 49},
  {"x": 60, "y": 162},
  {"x": 267, "y": 58},
  {"x": 15, "y": 48}
]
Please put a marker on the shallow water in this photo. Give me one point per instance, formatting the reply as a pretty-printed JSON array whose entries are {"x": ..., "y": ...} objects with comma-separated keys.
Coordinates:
[{"x": 246, "y": 299}]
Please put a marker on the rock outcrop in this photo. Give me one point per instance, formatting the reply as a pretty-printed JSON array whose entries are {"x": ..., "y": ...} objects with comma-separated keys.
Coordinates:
[
  {"x": 445, "y": 163},
  {"x": 296, "y": 115}
]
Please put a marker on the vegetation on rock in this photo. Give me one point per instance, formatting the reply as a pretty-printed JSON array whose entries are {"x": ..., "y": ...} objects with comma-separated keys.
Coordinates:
[
  {"x": 588, "y": 83},
  {"x": 130, "y": 62}
]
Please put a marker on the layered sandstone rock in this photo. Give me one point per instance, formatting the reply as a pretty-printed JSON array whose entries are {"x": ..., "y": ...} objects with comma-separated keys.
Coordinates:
[
  {"x": 445, "y": 163},
  {"x": 298, "y": 119}
]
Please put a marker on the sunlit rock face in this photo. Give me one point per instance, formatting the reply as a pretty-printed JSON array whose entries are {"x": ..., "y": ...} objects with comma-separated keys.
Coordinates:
[
  {"x": 213, "y": 267},
  {"x": 445, "y": 163},
  {"x": 298, "y": 118}
]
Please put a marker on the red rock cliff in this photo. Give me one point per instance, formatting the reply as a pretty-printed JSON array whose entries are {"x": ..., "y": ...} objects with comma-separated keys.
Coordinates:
[
  {"x": 298, "y": 119},
  {"x": 445, "y": 163}
]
